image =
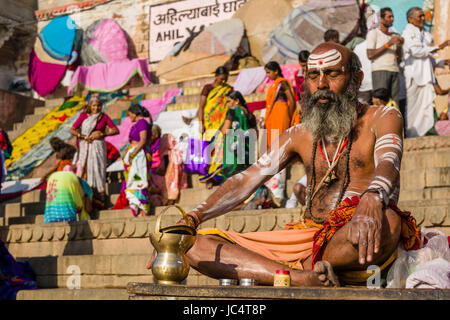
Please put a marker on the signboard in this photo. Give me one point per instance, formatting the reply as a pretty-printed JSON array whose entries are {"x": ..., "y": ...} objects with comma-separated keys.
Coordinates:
[{"x": 171, "y": 23}]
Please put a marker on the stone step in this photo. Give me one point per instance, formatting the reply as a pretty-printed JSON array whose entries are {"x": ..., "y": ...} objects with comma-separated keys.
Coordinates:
[
  {"x": 42, "y": 110},
  {"x": 129, "y": 235},
  {"x": 98, "y": 271},
  {"x": 126, "y": 235},
  {"x": 149, "y": 291},
  {"x": 29, "y": 121},
  {"x": 67, "y": 294},
  {"x": 51, "y": 103},
  {"x": 98, "y": 215},
  {"x": 158, "y": 89}
]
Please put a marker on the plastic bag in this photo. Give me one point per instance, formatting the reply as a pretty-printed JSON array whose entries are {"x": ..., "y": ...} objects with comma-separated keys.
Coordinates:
[{"x": 407, "y": 261}]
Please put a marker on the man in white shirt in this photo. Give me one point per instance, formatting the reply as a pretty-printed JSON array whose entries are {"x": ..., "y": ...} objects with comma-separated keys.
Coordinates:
[
  {"x": 419, "y": 75},
  {"x": 385, "y": 50},
  {"x": 189, "y": 130}
]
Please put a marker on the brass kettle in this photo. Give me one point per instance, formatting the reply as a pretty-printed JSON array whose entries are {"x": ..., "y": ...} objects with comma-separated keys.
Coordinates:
[{"x": 171, "y": 244}]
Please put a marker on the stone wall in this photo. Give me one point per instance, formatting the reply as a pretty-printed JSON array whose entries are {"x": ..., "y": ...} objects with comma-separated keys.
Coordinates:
[{"x": 14, "y": 107}]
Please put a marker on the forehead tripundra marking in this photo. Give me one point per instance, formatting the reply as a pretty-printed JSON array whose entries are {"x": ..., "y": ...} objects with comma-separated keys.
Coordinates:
[{"x": 327, "y": 59}]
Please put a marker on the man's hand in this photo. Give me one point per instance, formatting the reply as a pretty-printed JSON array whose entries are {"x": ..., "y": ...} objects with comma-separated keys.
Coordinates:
[
  {"x": 365, "y": 227},
  {"x": 396, "y": 40}
]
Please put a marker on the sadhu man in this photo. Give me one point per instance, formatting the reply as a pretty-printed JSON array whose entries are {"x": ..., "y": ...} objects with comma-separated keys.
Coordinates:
[{"x": 352, "y": 155}]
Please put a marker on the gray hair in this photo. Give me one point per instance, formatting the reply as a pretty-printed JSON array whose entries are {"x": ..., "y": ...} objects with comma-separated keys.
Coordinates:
[
  {"x": 95, "y": 99},
  {"x": 411, "y": 11}
]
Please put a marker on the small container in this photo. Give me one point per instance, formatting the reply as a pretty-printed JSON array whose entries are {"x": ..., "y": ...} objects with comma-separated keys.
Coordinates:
[
  {"x": 247, "y": 282},
  {"x": 228, "y": 282},
  {"x": 282, "y": 278}
]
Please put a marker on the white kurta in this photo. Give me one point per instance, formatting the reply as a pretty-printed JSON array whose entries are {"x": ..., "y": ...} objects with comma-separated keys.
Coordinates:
[{"x": 419, "y": 79}]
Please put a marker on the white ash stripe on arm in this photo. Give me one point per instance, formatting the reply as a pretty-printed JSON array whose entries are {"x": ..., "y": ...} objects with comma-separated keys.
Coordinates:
[
  {"x": 391, "y": 157},
  {"x": 386, "y": 109},
  {"x": 382, "y": 182},
  {"x": 390, "y": 140}
]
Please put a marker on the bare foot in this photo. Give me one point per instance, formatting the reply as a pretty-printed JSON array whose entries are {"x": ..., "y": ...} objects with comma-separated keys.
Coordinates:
[
  {"x": 152, "y": 259},
  {"x": 325, "y": 274}
]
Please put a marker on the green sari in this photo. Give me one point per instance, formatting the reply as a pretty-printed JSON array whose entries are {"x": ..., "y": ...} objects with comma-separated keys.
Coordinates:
[{"x": 236, "y": 148}]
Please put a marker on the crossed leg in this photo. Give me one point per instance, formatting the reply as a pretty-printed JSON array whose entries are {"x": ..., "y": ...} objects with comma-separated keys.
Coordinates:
[{"x": 218, "y": 258}]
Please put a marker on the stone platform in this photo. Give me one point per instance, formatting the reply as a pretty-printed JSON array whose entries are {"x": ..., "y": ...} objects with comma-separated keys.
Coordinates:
[{"x": 149, "y": 291}]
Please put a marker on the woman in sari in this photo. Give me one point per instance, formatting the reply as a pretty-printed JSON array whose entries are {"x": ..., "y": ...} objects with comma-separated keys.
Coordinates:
[
  {"x": 137, "y": 161},
  {"x": 167, "y": 169},
  {"x": 66, "y": 196},
  {"x": 212, "y": 112},
  {"x": 91, "y": 128},
  {"x": 158, "y": 194},
  {"x": 237, "y": 148},
  {"x": 280, "y": 108}
]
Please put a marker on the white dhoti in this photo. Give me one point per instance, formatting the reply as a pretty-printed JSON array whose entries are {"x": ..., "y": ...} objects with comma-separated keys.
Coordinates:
[{"x": 420, "y": 109}]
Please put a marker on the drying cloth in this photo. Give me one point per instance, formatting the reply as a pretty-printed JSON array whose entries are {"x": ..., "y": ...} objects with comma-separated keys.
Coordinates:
[
  {"x": 110, "y": 40},
  {"x": 44, "y": 77},
  {"x": 32, "y": 136},
  {"x": 89, "y": 54},
  {"x": 58, "y": 36},
  {"x": 434, "y": 274},
  {"x": 249, "y": 79},
  {"x": 304, "y": 27},
  {"x": 156, "y": 106},
  {"x": 44, "y": 56},
  {"x": 108, "y": 77},
  {"x": 443, "y": 127}
]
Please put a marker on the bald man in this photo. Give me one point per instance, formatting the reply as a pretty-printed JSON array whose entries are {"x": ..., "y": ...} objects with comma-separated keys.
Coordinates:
[{"x": 352, "y": 156}]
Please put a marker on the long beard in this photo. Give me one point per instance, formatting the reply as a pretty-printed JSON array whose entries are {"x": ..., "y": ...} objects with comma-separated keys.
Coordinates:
[{"x": 334, "y": 119}]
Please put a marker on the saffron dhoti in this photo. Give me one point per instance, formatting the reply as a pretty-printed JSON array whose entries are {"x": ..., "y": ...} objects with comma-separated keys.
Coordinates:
[{"x": 298, "y": 241}]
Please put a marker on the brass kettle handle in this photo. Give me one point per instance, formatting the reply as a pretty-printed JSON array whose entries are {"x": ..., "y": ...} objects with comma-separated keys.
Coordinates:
[{"x": 158, "y": 220}]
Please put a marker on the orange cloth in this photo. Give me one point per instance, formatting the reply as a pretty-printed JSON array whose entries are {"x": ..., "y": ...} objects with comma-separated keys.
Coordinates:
[
  {"x": 63, "y": 163},
  {"x": 289, "y": 247},
  {"x": 277, "y": 112},
  {"x": 295, "y": 118},
  {"x": 293, "y": 245}
]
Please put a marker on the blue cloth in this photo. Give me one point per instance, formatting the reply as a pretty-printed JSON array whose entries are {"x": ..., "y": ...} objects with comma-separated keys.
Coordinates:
[
  {"x": 58, "y": 36},
  {"x": 399, "y": 8},
  {"x": 14, "y": 276}
]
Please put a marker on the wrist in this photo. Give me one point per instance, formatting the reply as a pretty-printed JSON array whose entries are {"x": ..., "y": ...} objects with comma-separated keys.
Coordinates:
[
  {"x": 195, "y": 219},
  {"x": 387, "y": 45},
  {"x": 379, "y": 194}
]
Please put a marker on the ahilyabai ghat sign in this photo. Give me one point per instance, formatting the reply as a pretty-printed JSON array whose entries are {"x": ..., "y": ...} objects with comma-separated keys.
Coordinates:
[{"x": 171, "y": 23}]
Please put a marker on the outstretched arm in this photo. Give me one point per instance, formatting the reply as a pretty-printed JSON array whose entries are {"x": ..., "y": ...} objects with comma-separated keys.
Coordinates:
[
  {"x": 239, "y": 187},
  {"x": 365, "y": 226}
]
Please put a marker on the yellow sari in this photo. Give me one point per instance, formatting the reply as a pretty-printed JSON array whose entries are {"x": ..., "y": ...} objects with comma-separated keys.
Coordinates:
[{"x": 214, "y": 115}]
